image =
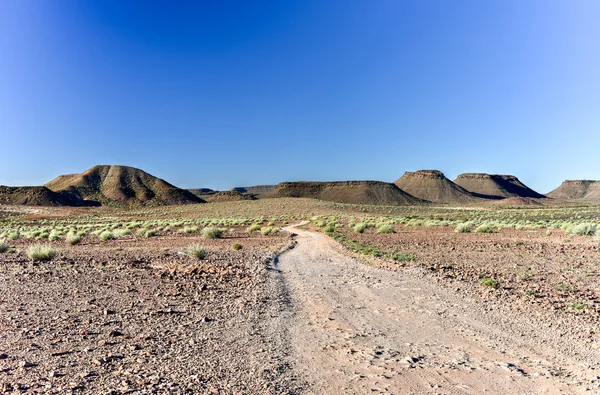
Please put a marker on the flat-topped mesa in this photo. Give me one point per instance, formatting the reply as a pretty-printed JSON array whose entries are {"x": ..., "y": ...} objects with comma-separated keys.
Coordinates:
[
  {"x": 577, "y": 189},
  {"x": 121, "y": 185},
  {"x": 432, "y": 185},
  {"x": 227, "y": 196},
  {"x": 256, "y": 190},
  {"x": 435, "y": 174},
  {"x": 495, "y": 186},
  {"x": 352, "y": 192}
]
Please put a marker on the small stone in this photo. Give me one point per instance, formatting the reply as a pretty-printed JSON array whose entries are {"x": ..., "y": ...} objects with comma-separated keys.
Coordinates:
[
  {"x": 3, "y": 356},
  {"x": 26, "y": 364},
  {"x": 115, "y": 334}
]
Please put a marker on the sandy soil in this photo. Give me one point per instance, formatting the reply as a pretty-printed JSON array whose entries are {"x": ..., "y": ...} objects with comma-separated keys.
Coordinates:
[{"x": 356, "y": 329}]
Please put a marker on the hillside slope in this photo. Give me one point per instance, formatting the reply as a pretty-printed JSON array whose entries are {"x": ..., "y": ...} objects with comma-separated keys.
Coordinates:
[
  {"x": 432, "y": 185},
  {"x": 255, "y": 189},
  {"x": 121, "y": 185},
  {"x": 495, "y": 186},
  {"x": 352, "y": 192},
  {"x": 577, "y": 189},
  {"x": 36, "y": 196}
]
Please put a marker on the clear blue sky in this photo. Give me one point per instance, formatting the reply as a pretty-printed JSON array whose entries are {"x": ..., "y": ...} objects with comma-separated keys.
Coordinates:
[{"x": 224, "y": 93}]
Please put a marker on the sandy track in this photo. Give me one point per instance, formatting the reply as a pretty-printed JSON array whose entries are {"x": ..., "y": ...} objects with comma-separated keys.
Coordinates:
[{"x": 357, "y": 329}]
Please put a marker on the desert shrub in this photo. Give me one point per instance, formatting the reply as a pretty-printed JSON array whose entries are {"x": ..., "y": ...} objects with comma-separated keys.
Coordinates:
[
  {"x": 150, "y": 233},
  {"x": 54, "y": 235},
  {"x": 212, "y": 233},
  {"x": 13, "y": 235},
  {"x": 253, "y": 228},
  {"x": 121, "y": 232},
  {"x": 578, "y": 306},
  {"x": 3, "y": 247},
  {"x": 484, "y": 228},
  {"x": 39, "y": 253},
  {"x": 196, "y": 251},
  {"x": 73, "y": 239},
  {"x": 189, "y": 229},
  {"x": 360, "y": 227},
  {"x": 266, "y": 230},
  {"x": 319, "y": 223},
  {"x": 385, "y": 228},
  {"x": 237, "y": 246},
  {"x": 330, "y": 228},
  {"x": 404, "y": 257},
  {"x": 106, "y": 235},
  {"x": 583, "y": 230},
  {"x": 463, "y": 228},
  {"x": 490, "y": 282}
]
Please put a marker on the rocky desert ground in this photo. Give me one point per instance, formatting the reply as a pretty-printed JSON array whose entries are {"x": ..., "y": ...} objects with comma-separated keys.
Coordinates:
[{"x": 294, "y": 295}]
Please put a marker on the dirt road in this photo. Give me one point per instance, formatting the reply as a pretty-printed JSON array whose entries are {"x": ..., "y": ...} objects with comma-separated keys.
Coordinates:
[{"x": 357, "y": 329}]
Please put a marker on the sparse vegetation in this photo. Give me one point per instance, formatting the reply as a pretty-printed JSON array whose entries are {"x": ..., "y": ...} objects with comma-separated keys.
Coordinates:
[
  {"x": 490, "y": 282},
  {"x": 237, "y": 246},
  {"x": 212, "y": 233},
  {"x": 196, "y": 251},
  {"x": 106, "y": 235},
  {"x": 463, "y": 228},
  {"x": 73, "y": 239},
  {"x": 385, "y": 228},
  {"x": 39, "y": 253}
]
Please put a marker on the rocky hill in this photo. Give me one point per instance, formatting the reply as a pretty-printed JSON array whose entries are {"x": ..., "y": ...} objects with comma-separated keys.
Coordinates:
[
  {"x": 122, "y": 185},
  {"x": 495, "y": 186},
  {"x": 36, "y": 196},
  {"x": 353, "y": 192},
  {"x": 433, "y": 186},
  {"x": 577, "y": 189}
]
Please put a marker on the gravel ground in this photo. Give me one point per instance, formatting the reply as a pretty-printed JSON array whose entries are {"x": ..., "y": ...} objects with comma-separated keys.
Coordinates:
[{"x": 140, "y": 319}]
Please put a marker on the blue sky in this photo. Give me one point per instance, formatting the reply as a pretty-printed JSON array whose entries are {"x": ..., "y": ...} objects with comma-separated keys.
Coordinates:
[{"x": 224, "y": 93}]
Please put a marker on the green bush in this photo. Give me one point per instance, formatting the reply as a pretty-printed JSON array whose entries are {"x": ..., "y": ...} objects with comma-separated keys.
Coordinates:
[
  {"x": 484, "y": 228},
  {"x": 360, "y": 227},
  {"x": 38, "y": 253},
  {"x": 583, "y": 230},
  {"x": 266, "y": 230},
  {"x": 54, "y": 235},
  {"x": 253, "y": 228},
  {"x": 3, "y": 246},
  {"x": 196, "y": 251},
  {"x": 463, "y": 228},
  {"x": 106, "y": 235},
  {"x": 330, "y": 228},
  {"x": 385, "y": 228},
  {"x": 490, "y": 282},
  {"x": 121, "y": 232},
  {"x": 73, "y": 239},
  {"x": 237, "y": 246},
  {"x": 212, "y": 233}
]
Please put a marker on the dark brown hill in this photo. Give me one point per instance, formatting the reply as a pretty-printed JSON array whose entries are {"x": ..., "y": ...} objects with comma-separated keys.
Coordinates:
[
  {"x": 36, "y": 196},
  {"x": 577, "y": 189},
  {"x": 227, "y": 196},
  {"x": 352, "y": 192},
  {"x": 495, "y": 186},
  {"x": 121, "y": 185},
  {"x": 433, "y": 185}
]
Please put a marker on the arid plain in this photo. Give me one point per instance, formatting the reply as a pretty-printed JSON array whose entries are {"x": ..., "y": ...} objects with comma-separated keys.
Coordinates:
[{"x": 115, "y": 281}]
